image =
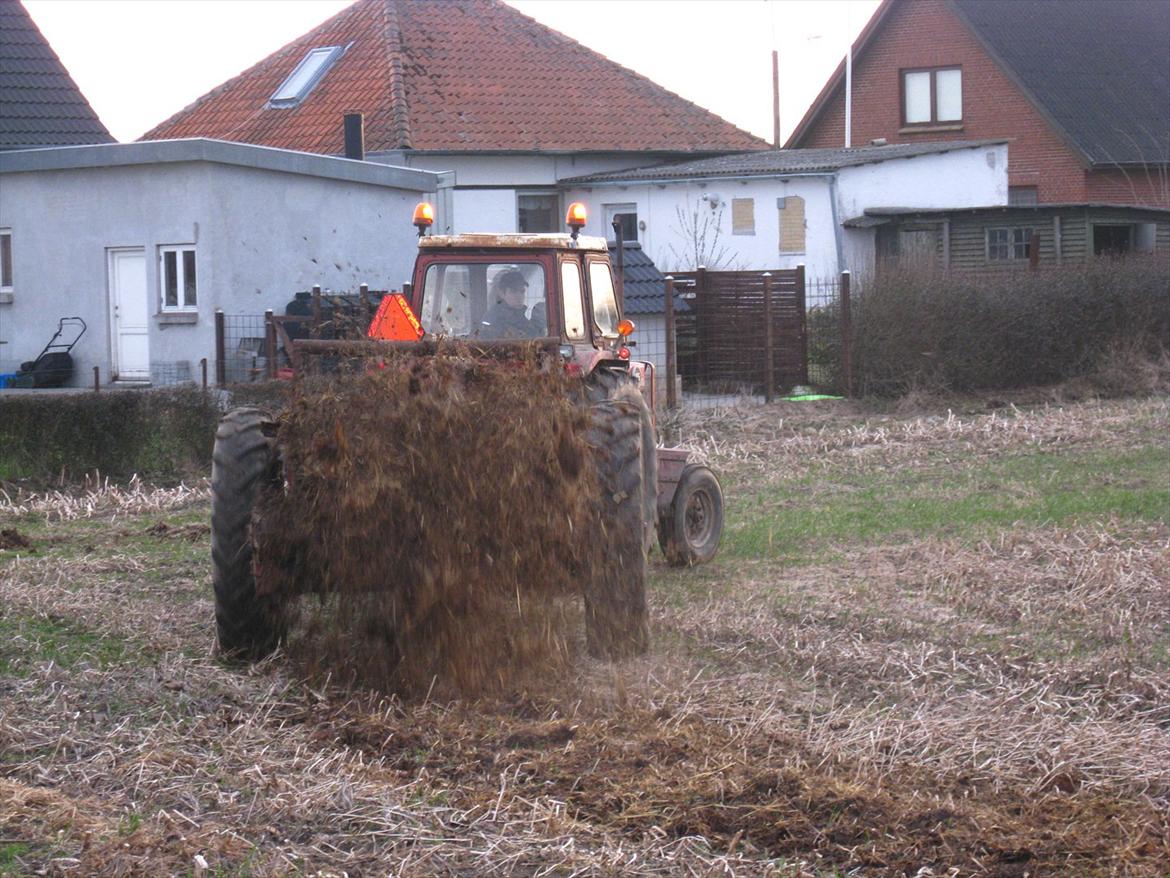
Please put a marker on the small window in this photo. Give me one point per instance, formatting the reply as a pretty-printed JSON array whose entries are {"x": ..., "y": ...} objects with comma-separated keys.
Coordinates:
[
  {"x": 791, "y": 224},
  {"x": 627, "y": 217},
  {"x": 743, "y": 216},
  {"x": 1004, "y": 244},
  {"x": 571, "y": 300},
  {"x": 178, "y": 279},
  {"x": 1023, "y": 196},
  {"x": 5, "y": 260},
  {"x": 304, "y": 76},
  {"x": 605, "y": 311},
  {"x": 538, "y": 213},
  {"x": 931, "y": 97}
]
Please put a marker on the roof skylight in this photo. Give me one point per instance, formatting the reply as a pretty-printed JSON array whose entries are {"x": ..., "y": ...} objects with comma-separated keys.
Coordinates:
[{"x": 304, "y": 76}]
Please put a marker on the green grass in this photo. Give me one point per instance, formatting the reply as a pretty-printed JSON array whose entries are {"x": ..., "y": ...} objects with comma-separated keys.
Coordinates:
[
  {"x": 30, "y": 640},
  {"x": 960, "y": 499}
]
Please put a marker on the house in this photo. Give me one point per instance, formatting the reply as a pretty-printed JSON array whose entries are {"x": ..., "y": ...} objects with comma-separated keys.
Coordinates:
[
  {"x": 783, "y": 208},
  {"x": 145, "y": 241},
  {"x": 1014, "y": 237},
  {"x": 40, "y": 104},
  {"x": 469, "y": 86},
  {"x": 1081, "y": 88}
]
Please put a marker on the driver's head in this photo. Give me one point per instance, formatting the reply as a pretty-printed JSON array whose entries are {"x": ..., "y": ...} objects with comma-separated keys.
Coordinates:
[{"x": 511, "y": 287}]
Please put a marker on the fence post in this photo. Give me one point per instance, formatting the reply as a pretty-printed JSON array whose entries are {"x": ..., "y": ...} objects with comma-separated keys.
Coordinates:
[
  {"x": 769, "y": 353},
  {"x": 699, "y": 322},
  {"x": 203, "y": 371},
  {"x": 671, "y": 363},
  {"x": 846, "y": 335},
  {"x": 269, "y": 346},
  {"x": 364, "y": 301},
  {"x": 315, "y": 329},
  {"x": 97, "y": 380},
  {"x": 802, "y": 317},
  {"x": 220, "y": 356}
]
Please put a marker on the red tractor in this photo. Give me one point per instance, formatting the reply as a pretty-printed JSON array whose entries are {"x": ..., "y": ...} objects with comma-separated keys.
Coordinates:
[{"x": 496, "y": 292}]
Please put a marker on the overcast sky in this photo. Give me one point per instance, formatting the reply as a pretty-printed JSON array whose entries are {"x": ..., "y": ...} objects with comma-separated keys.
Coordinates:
[{"x": 139, "y": 61}]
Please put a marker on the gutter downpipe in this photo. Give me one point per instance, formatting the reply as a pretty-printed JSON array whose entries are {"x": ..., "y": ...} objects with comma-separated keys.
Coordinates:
[{"x": 838, "y": 233}]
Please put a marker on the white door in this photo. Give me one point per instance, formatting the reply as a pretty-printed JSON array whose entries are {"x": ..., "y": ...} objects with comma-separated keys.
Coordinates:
[{"x": 129, "y": 303}]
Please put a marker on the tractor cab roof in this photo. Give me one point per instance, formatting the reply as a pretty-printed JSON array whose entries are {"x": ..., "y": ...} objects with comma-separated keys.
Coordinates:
[{"x": 479, "y": 240}]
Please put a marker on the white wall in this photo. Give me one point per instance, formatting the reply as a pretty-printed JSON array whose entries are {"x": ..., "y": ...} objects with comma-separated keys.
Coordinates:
[
  {"x": 487, "y": 186},
  {"x": 668, "y": 238},
  {"x": 259, "y": 235},
  {"x": 960, "y": 178}
]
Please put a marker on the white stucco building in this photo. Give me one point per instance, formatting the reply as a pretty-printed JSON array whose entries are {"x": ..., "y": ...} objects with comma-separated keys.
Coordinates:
[
  {"x": 146, "y": 241},
  {"x": 780, "y": 209}
]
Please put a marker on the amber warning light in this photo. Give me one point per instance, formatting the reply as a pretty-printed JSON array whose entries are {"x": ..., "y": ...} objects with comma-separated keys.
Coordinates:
[
  {"x": 575, "y": 217},
  {"x": 424, "y": 217}
]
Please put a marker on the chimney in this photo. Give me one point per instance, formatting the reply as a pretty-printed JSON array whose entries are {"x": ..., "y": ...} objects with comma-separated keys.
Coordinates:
[{"x": 355, "y": 138}]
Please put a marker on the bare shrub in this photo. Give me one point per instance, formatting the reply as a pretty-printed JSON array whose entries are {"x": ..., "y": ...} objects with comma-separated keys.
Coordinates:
[{"x": 918, "y": 329}]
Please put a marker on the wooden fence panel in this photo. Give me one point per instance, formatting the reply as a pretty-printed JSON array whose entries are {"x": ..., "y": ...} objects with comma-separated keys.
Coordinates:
[{"x": 728, "y": 321}]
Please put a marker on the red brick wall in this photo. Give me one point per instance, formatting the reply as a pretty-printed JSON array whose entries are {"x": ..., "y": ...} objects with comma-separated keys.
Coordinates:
[
  {"x": 1132, "y": 186},
  {"x": 926, "y": 33}
]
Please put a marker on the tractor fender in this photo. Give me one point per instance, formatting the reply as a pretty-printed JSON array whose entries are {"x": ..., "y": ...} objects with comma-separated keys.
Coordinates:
[{"x": 671, "y": 463}]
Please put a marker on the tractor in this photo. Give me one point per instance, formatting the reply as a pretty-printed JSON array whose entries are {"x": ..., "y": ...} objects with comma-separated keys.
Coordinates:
[{"x": 497, "y": 293}]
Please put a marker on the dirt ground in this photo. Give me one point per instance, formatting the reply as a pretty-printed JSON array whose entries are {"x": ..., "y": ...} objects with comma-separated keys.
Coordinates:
[{"x": 962, "y": 697}]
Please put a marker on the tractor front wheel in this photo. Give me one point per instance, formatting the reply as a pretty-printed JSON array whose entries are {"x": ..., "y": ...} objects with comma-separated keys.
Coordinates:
[
  {"x": 243, "y": 461},
  {"x": 690, "y": 531}
]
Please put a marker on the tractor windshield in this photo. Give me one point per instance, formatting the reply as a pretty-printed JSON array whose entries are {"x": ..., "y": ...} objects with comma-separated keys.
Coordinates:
[{"x": 488, "y": 300}]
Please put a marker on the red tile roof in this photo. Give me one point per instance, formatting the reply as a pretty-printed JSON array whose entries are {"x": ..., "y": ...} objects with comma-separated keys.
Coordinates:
[{"x": 465, "y": 76}]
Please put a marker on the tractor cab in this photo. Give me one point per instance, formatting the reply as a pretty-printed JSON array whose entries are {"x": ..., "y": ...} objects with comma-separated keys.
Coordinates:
[{"x": 501, "y": 287}]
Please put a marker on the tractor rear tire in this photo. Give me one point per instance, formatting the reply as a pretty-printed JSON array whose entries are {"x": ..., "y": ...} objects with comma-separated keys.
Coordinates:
[
  {"x": 691, "y": 529},
  {"x": 616, "y": 616},
  {"x": 243, "y": 461}
]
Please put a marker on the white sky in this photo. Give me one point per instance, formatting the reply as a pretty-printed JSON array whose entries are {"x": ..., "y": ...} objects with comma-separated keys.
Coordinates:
[{"x": 140, "y": 61}]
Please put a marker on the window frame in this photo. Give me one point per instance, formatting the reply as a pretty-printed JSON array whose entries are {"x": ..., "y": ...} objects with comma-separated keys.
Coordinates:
[
  {"x": 556, "y": 211},
  {"x": 9, "y": 286},
  {"x": 615, "y": 209},
  {"x": 182, "y": 306},
  {"x": 586, "y": 312},
  {"x": 1015, "y": 248},
  {"x": 933, "y": 121},
  {"x": 603, "y": 264},
  {"x": 294, "y": 100}
]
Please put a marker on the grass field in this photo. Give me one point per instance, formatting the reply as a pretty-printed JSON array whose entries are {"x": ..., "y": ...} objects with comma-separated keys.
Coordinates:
[{"x": 932, "y": 645}]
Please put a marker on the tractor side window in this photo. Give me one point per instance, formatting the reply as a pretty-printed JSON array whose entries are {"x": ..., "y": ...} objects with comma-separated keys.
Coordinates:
[
  {"x": 605, "y": 310},
  {"x": 446, "y": 306},
  {"x": 571, "y": 305},
  {"x": 484, "y": 300}
]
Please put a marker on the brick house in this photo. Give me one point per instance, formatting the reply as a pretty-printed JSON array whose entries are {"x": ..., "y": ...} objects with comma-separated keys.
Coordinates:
[{"x": 1081, "y": 88}]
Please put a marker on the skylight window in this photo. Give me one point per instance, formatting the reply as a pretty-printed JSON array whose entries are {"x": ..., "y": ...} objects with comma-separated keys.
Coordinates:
[{"x": 306, "y": 75}]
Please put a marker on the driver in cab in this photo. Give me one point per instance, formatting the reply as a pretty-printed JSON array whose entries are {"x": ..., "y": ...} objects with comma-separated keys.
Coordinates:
[{"x": 506, "y": 318}]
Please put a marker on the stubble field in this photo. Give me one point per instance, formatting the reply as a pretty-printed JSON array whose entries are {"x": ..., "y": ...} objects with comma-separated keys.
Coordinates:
[{"x": 932, "y": 645}]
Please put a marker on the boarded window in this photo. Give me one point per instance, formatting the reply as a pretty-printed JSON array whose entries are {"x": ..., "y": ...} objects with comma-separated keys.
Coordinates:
[
  {"x": 791, "y": 224},
  {"x": 743, "y": 216}
]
